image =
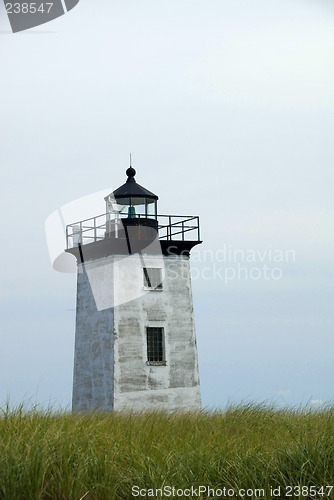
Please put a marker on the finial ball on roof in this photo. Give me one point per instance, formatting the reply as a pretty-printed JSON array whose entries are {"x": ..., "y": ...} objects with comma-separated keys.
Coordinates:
[{"x": 130, "y": 172}]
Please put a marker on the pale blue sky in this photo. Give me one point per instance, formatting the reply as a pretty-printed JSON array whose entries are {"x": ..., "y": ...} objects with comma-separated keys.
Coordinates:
[{"x": 227, "y": 108}]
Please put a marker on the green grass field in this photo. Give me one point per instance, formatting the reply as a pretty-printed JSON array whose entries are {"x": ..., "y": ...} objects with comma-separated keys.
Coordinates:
[{"x": 103, "y": 456}]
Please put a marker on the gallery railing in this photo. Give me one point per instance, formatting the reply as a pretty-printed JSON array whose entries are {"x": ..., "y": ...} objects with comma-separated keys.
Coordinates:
[{"x": 170, "y": 227}]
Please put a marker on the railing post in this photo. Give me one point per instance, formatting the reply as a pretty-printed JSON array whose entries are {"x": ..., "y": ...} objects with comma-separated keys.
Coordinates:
[
  {"x": 94, "y": 228},
  {"x": 80, "y": 234},
  {"x": 66, "y": 236},
  {"x": 199, "y": 236},
  {"x": 170, "y": 228},
  {"x": 182, "y": 230}
]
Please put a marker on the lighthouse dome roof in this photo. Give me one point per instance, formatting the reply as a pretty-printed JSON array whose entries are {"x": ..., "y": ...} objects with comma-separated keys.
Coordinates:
[{"x": 131, "y": 188}]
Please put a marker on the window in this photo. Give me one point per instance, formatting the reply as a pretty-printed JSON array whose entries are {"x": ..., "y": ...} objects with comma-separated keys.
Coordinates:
[
  {"x": 153, "y": 278},
  {"x": 155, "y": 345}
]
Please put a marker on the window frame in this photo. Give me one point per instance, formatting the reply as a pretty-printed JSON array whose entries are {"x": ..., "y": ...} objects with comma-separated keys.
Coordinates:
[
  {"x": 147, "y": 279},
  {"x": 152, "y": 347}
]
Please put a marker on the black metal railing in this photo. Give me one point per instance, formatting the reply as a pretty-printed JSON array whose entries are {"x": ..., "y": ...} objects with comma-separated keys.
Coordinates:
[
  {"x": 170, "y": 227},
  {"x": 179, "y": 225}
]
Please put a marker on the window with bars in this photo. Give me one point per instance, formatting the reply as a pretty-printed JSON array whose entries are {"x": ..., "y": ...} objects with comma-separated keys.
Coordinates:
[
  {"x": 155, "y": 345},
  {"x": 153, "y": 278}
]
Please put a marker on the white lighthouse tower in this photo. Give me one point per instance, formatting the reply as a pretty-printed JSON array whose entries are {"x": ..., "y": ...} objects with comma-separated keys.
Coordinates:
[{"x": 135, "y": 343}]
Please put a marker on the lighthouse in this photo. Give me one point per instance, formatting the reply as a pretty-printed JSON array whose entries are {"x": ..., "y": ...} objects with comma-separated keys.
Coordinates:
[{"x": 135, "y": 341}]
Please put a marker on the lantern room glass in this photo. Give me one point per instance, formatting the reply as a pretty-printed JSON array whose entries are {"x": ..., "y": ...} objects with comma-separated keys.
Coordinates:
[{"x": 138, "y": 207}]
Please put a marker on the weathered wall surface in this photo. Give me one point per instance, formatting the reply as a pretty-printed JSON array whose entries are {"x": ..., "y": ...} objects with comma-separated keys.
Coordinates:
[
  {"x": 110, "y": 369},
  {"x": 94, "y": 343},
  {"x": 137, "y": 384}
]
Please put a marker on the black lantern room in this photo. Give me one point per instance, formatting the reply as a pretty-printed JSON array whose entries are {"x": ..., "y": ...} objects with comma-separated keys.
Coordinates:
[
  {"x": 135, "y": 204},
  {"x": 130, "y": 225},
  {"x": 136, "y": 201}
]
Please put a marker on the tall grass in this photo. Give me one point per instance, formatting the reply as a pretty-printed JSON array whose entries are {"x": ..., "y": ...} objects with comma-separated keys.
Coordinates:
[{"x": 103, "y": 455}]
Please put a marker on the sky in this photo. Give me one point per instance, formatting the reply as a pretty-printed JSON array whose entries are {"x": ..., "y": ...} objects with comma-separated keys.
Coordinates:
[{"x": 227, "y": 109}]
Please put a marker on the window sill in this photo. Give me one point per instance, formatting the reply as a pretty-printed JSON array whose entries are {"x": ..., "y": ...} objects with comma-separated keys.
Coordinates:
[
  {"x": 156, "y": 363},
  {"x": 146, "y": 288}
]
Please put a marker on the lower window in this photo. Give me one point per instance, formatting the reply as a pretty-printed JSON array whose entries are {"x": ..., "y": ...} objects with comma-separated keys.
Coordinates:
[{"x": 155, "y": 345}]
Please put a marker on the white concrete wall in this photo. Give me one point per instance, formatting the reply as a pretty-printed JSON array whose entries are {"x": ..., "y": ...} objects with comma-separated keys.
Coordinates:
[
  {"x": 93, "y": 374},
  {"x": 141, "y": 386},
  {"x": 111, "y": 343}
]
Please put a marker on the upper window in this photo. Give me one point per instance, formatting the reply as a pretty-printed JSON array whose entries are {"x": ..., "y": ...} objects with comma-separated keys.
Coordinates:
[{"x": 153, "y": 278}]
